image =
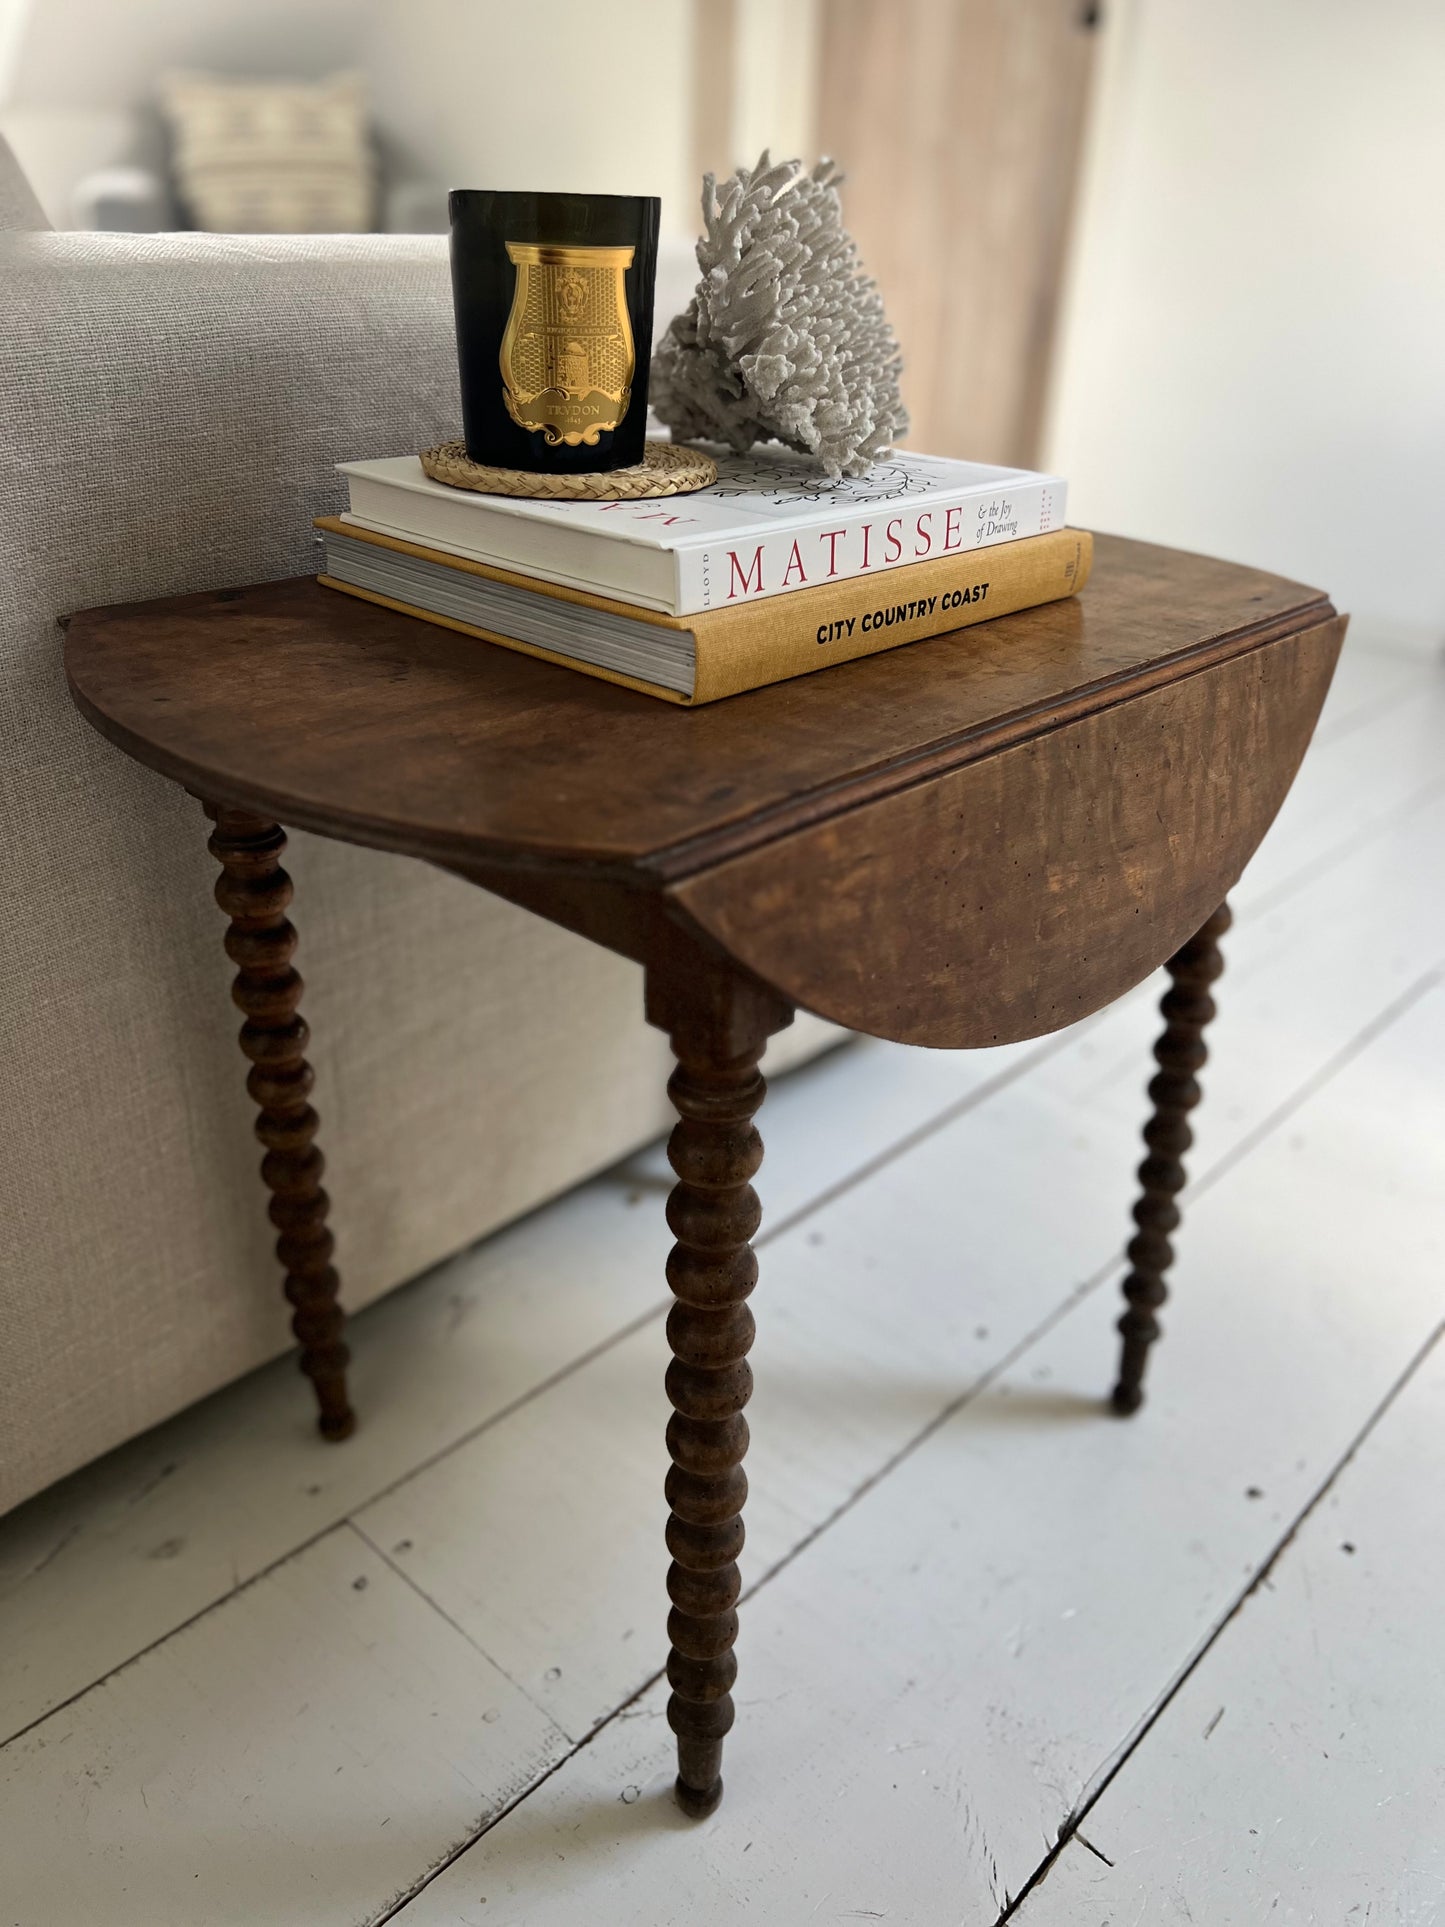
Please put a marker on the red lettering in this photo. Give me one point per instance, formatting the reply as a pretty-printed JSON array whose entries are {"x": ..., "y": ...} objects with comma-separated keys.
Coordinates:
[
  {"x": 830, "y": 536},
  {"x": 892, "y": 554},
  {"x": 924, "y": 535},
  {"x": 867, "y": 532},
  {"x": 951, "y": 529},
  {"x": 738, "y": 578},
  {"x": 795, "y": 561}
]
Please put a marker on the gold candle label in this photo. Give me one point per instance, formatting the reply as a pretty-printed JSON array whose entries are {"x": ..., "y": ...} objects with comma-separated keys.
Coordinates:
[{"x": 567, "y": 354}]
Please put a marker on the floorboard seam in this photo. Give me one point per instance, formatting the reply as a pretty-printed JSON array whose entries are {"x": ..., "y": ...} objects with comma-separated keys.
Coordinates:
[
  {"x": 396, "y": 1907},
  {"x": 1072, "y": 1298},
  {"x": 991, "y": 1087},
  {"x": 954, "y": 1406},
  {"x": 960, "y": 1107},
  {"x": 408, "y": 1580},
  {"x": 766, "y": 1236},
  {"x": 172, "y": 1632},
  {"x": 1221, "y": 1168},
  {"x": 1070, "y": 1829},
  {"x": 1337, "y": 853},
  {"x": 1429, "y": 980},
  {"x": 1227, "y": 1162}
]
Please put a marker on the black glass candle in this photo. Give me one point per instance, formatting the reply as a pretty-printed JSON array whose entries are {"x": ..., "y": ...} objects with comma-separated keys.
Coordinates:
[{"x": 553, "y": 298}]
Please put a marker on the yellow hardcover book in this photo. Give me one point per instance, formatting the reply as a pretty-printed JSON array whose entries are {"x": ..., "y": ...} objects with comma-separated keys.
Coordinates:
[{"x": 717, "y": 652}]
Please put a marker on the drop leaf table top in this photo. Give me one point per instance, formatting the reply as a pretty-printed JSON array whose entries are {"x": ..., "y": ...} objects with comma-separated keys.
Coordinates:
[{"x": 969, "y": 840}]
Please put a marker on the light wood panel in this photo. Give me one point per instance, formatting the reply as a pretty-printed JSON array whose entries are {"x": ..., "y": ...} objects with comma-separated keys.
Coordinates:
[
  {"x": 959, "y": 124},
  {"x": 714, "y": 89}
]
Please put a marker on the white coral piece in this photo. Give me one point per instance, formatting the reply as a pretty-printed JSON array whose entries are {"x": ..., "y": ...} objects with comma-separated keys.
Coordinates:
[{"x": 786, "y": 339}]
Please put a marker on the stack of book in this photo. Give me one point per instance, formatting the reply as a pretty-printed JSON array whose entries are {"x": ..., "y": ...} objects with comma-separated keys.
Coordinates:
[{"x": 770, "y": 573}]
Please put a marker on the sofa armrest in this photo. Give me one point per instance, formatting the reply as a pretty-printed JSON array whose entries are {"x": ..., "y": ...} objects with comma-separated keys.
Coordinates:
[{"x": 174, "y": 404}]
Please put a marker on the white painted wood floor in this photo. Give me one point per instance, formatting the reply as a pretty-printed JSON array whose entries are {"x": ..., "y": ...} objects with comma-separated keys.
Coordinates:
[{"x": 1003, "y": 1656}]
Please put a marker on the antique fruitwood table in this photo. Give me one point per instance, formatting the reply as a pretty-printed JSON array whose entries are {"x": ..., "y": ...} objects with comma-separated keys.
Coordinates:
[{"x": 969, "y": 841}]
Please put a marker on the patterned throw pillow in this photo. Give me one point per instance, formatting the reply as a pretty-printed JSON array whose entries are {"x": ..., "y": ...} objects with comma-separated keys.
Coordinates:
[{"x": 271, "y": 157}]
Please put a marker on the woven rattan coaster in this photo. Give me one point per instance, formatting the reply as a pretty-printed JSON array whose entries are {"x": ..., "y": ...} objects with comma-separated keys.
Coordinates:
[{"x": 666, "y": 469}]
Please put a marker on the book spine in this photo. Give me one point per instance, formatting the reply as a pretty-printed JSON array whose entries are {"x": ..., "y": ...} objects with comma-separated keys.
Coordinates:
[
  {"x": 794, "y": 635},
  {"x": 864, "y": 540}
]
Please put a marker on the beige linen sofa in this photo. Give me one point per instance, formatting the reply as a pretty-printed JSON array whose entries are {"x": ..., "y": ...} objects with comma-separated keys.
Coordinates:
[{"x": 170, "y": 410}]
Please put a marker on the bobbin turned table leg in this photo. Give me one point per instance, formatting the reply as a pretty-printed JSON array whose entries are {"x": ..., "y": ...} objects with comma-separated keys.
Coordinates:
[
  {"x": 713, "y": 1211},
  {"x": 1181, "y": 1053},
  {"x": 255, "y": 891}
]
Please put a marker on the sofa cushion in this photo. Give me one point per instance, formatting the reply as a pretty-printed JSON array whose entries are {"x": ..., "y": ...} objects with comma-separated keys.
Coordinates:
[{"x": 279, "y": 157}]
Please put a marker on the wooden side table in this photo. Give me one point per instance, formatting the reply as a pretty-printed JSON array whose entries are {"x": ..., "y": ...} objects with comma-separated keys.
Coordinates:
[{"x": 971, "y": 841}]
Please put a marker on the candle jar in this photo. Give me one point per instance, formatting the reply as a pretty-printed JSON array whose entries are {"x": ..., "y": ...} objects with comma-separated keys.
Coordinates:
[{"x": 553, "y": 297}]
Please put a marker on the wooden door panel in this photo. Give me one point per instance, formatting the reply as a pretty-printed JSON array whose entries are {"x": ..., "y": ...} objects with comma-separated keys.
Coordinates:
[{"x": 959, "y": 125}]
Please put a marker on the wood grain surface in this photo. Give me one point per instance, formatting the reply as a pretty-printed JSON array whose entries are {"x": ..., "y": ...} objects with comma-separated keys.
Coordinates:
[
  {"x": 972, "y": 840},
  {"x": 331, "y": 715},
  {"x": 1011, "y": 896},
  {"x": 715, "y": 1151},
  {"x": 255, "y": 892},
  {"x": 959, "y": 126},
  {"x": 1181, "y": 1053}
]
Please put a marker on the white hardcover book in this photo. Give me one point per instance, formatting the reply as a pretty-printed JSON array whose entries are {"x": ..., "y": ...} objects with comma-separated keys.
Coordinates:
[{"x": 768, "y": 525}]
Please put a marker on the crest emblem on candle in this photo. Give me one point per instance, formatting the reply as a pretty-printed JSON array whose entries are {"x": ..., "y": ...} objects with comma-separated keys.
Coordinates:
[{"x": 567, "y": 354}]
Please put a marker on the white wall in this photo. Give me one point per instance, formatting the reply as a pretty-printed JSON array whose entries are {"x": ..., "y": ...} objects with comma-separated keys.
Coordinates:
[
  {"x": 76, "y": 76},
  {"x": 775, "y": 98},
  {"x": 12, "y": 26},
  {"x": 553, "y": 95},
  {"x": 1252, "y": 359},
  {"x": 106, "y": 53}
]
